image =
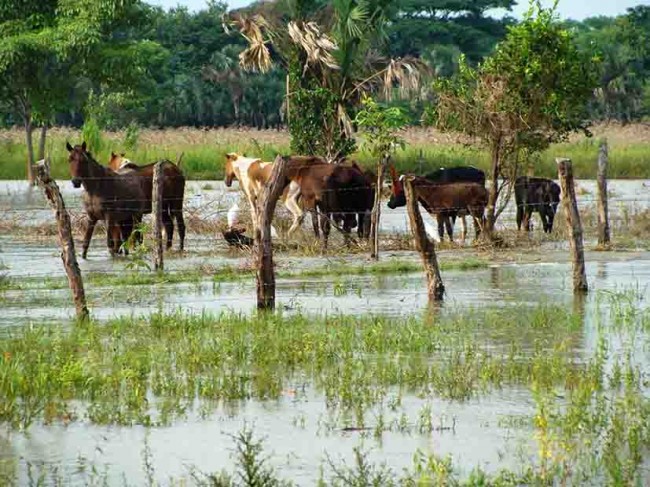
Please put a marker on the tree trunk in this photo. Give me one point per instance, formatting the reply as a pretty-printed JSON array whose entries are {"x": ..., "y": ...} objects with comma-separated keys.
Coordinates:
[
  {"x": 66, "y": 242},
  {"x": 493, "y": 195},
  {"x": 603, "y": 218},
  {"x": 41, "y": 142},
  {"x": 565, "y": 172},
  {"x": 30, "y": 147},
  {"x": 156, "y": 213},
  {"x": 263, "y": 247},
  {"x": 436, "y": 288},
  {"x": 376, "y": 210}
]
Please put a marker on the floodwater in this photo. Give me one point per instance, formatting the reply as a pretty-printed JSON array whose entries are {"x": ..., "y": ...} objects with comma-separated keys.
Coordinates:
[{"x": 298, "y": 429}]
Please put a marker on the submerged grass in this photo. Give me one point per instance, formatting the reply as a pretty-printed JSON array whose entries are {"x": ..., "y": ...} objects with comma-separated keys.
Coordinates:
[{"x": 230, "y": 273}]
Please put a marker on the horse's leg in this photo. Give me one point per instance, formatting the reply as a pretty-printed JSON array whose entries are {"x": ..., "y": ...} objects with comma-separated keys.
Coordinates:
[
  {"x": 90, "y": 228},
  {"x": 291, "y": 203},
  {"x": 177, "y": 213},
  {"x": 520, "y": 217},
  {"x": 441, "y": 226},
  {"x": 325, "y": 227},
  {"x": 126, "y": 229},
  {"x": 112, "y": 239},
  {"x": 463, "y": 227},
  {"x": 169, "y": 227},
  {"x": 450, "y": 228}
]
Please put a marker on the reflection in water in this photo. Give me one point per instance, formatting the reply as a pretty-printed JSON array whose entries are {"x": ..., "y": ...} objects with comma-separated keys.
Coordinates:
[
  {"x": 601, "y": 270},
  {"x": 495, "y": 272}
]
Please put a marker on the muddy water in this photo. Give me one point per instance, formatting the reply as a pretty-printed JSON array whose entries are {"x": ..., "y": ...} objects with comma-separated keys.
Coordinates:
[
  {"x": 211, "y": 199},
  {"x": 298, "y": 429}
]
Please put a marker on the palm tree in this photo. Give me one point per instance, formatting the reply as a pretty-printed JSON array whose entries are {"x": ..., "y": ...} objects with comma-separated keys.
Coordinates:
[{"x": 330, "y": 52}]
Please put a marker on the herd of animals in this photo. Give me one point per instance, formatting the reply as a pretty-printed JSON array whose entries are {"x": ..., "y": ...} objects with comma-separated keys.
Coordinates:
[{"x": 335, "y": 194}]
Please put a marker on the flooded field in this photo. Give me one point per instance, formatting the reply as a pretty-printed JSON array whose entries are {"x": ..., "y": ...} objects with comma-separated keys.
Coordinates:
[{"x": 512, "y": 374}]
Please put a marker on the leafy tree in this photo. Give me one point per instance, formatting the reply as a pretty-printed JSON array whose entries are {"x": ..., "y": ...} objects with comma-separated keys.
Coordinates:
[
  {"x": 531, "y": 92},
  {"x": 49, "y": 46},
  {"x": 431, "y": 28},
  {"x": 623, "y": 43}
]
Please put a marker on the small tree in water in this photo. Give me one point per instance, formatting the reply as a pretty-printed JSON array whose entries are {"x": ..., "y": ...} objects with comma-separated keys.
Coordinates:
[
  {"x": 379, "y": 126},
  {"x": 533, "y": 91}
]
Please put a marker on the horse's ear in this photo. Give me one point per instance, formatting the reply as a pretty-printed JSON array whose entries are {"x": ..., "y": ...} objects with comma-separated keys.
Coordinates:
[
  {"x": 83, "y": 146},
  {"x": 69, "y": 147},
  {"x": 113, "y": 155},
  {"x": 123, "y": 154}
]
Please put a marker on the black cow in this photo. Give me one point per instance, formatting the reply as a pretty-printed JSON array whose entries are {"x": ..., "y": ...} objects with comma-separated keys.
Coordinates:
[
  {"x": 539, "y": 195},
  {"x": 445, "y": 175}
]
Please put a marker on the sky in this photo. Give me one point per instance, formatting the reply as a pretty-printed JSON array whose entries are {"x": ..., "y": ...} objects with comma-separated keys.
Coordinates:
[{"x": 573, "y": 9}]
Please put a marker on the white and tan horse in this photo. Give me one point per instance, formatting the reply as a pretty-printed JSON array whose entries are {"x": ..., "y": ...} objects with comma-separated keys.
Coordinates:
[{"x": 252, "y": 174}]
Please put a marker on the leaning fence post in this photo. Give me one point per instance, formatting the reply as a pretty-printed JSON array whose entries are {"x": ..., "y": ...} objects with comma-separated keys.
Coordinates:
[
  {"x": 265, "y": 272},
  {"x": 376, "y": 210},
  {"x": 565, "y": 171},
  {"x": 66, "y": 242},
  {"x": 603, "y": 217},
  {"x": 436, "y": 288},
  {"x": 156, "y": 213}
]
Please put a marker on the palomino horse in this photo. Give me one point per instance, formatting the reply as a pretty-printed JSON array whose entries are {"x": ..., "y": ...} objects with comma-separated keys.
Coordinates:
[
  {"x": 117, "y": 198},
  {"x": 172, "y": 193},
  {"x": 253, "y": 174}
]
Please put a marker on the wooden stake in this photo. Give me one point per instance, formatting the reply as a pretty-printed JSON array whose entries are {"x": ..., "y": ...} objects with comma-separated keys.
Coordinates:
[
  {"x": 66, "y": 242},
  {"x": 376, "y": 210},
  {"x": 156, "y": 213},
  {"x": 565, "y": 171},
  {"x": 603, "y": 217},
  {"x": 436, "y": 288},
  {"x": 263, "y": 247}
]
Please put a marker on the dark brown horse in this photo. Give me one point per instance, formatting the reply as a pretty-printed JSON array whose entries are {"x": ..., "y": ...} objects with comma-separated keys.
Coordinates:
[
  {"x": 338, "y": 192},
  {"x": 172, "y": 194},
  {"x": 118, "y": 199}
]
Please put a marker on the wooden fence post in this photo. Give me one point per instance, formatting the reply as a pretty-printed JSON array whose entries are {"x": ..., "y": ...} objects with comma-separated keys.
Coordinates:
[
  {"x": 66, "y": 241},
  {"x": 436, "y": 288},
  {"x": 263, "y": 247},
  {"x": 376, "y": 210},
  {"x": 603, "y": 217},
  {"x": 565, "y": 171},
  {"x": 156, "y": 213}
]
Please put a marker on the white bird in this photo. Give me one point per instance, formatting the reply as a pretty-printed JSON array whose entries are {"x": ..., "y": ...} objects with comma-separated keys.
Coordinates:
[
  {"x": 233, "y": 216},
  {"x": 233, "y": 219}
]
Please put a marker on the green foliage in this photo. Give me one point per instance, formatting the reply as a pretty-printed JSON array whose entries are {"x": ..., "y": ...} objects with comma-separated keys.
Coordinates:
[
  {"x": 314, "y": 124},
  {"x": 379, "y": 126}
]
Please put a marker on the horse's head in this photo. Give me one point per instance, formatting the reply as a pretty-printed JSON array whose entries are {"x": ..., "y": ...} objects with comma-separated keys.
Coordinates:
[
  {"x": 397, "y": 195},
  {"x": 229, "y": 168},
  {"x": 116, "y": 161},
  {"x": 78, "y": 160}
]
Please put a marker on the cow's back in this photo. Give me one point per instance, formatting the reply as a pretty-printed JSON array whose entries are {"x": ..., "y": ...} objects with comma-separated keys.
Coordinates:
[{"x": 458, "y": 174}]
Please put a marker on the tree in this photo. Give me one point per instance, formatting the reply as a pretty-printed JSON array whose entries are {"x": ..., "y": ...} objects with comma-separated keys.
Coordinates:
[
  {"x": 533, "y": 91},
  {"x": 330, "y": 53},
  {"x": 623, "y": 44},
  {"x": 49, "y": 46},
  {"x": 422, "y": 27},
  {"x": 379, "y": 126}
]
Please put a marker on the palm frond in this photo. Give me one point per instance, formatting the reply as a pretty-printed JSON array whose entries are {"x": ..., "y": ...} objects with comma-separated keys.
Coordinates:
[
  {"x": 257, "y": 56},
  {"x": 317, "y": 45}
]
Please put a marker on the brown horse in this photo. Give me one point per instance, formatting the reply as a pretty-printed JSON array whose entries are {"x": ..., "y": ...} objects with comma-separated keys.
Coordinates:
[
  {"x": 172, "y": 194},
  {"x": 338, "y": 192},
  {"x": 117, "y": 198}
]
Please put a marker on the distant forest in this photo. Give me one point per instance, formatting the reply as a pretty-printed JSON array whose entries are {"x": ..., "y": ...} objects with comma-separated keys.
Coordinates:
[{"x": 173, "y": 68}]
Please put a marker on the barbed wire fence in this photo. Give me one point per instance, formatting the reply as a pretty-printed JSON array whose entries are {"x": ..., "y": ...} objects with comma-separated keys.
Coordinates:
[{"x": 206, "y": 207}]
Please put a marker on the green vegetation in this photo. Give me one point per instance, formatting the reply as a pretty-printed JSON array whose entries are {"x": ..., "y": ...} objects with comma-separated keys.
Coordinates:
[
  {"x": 230, "y": 273},
  {"x": 203, "y": 152},
  {"x": 591, "y": 416}
]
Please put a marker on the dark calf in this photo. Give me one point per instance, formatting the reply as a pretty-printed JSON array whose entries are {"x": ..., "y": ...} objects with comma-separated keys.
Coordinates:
[{"x": 536, "y": 195}]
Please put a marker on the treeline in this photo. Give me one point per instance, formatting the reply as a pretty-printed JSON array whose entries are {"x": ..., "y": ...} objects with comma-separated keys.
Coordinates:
[{"x": 174, "y": 68}]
